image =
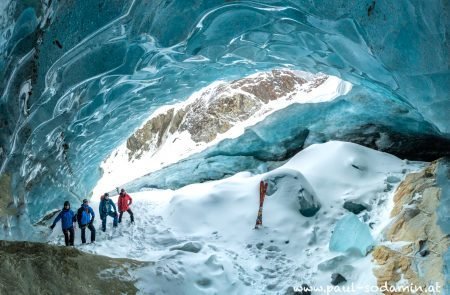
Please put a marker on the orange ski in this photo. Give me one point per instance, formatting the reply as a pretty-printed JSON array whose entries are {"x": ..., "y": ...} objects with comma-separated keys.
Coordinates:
[{"x": 262, "y": 193}]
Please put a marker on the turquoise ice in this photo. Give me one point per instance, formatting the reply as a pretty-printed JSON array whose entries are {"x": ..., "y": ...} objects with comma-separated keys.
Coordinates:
[{"x": 351, "y": 235}]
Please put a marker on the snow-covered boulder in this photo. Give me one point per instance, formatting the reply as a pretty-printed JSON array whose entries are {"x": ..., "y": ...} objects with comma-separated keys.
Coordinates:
[{"x": 291, "y": 183}]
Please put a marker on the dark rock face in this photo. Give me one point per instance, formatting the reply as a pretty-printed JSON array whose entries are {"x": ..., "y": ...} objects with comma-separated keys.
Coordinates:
[
  {"x": 337, "y": 279},
  {"x": 353, "y": 207},
  {"x": 308, "y": 209},
  {"x": 34, "y": 268},
  {"x": 424, "y": 253},
  {"x": 151, "y": 135},
  {"x": 405, "y": 145}
]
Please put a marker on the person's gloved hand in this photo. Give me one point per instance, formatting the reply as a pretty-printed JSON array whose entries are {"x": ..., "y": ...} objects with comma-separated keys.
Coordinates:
[{"x": 52, "y": 226}]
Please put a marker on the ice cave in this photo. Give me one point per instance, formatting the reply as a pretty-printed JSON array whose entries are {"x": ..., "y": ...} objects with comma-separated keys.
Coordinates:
[{"x": 341, "y": 107}]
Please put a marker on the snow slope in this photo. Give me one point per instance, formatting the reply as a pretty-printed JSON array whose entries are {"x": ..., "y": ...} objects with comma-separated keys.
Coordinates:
[{"x": 201, "y": 237}]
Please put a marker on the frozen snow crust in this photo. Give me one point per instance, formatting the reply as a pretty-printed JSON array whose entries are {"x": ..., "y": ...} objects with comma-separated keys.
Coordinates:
[{"x": 201, "y": 237}]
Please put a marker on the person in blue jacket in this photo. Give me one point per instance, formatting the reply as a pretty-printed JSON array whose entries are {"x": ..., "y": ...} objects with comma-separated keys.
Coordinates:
[
  {"x": 68, "y": 219},
  {"x": 85, "y": 218},
  {"x": 107, "y": 208}
]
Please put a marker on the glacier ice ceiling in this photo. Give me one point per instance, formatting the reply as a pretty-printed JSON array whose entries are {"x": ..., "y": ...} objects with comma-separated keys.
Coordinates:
[{"x": 77, "y": 77}]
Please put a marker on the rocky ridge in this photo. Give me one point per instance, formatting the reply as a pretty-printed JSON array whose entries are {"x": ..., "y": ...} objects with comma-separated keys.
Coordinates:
[
  {"x": 218, "y": 109},
  {"x": 418, "y": 259}
]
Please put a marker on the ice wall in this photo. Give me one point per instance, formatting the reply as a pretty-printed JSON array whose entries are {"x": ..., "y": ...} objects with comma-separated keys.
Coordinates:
[
  {"x": 360, "y": 117},
  {"x": 78, "y": 76}
]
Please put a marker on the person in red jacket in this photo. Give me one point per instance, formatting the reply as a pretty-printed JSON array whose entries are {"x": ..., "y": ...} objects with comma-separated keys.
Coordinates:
[{"x": 124, "y": 203}]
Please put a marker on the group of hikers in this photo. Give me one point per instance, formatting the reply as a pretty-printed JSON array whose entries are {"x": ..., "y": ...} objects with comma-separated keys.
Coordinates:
[{"x": 85, "y": 216}]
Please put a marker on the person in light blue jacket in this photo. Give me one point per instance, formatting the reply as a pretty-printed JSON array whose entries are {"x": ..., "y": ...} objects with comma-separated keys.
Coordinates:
[
  {"x": 85, "y": 218},
  {"x": 68, "y": 219},
  {"x": 107, "y": 208}
]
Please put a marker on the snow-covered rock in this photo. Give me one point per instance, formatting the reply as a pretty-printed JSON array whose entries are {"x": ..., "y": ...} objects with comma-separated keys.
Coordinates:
[{"x": 289, "y": 183}]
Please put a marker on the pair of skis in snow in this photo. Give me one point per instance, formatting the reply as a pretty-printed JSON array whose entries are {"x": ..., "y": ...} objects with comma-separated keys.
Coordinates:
[{"x": 262, "y": 193}]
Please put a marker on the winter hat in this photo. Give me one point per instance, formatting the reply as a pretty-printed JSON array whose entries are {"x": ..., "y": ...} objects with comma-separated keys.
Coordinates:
[
  {"x": 66, "y": 203},
  {"x": 122, "y": 190},
  {"x": 106, "y": 195},
  {"x": 85, "y": 201}
]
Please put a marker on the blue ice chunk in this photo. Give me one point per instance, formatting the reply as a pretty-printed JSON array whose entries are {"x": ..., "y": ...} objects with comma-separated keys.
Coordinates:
[{"x": 350, "y": 234}]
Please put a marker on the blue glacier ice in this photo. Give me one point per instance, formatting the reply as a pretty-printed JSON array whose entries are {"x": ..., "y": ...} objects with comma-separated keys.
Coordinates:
[
  {"x": 353, "y": 117},
  {"x": 351, "y": 235},
  {"x": 77, "y": 77}
]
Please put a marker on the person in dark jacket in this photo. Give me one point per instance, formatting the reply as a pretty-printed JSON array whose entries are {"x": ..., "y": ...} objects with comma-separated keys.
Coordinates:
[
  {"x": 124, "y": 203},
  {"x": 107, "y": 208},
  {"x": 68, "y": 219},
  {"x": 85, "y": 218}
]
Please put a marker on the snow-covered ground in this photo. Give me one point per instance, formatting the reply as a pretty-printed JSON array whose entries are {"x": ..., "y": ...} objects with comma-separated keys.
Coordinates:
[
  {"x": 180, "y": 145},
  {"x": 202, "y": 240}
]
